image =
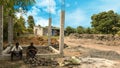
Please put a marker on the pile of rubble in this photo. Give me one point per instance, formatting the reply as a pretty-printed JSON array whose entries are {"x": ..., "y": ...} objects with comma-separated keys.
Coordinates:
[
  {"x": 102, "y": 37},
  {"x": 36, "y": 40},
  {"x": 112, "y": 55},
  {"x": 106, "y": 39},
  {"x": 41, "y": 62},
  {"x": 78, "y": 62},
  {"x": 94, "y": 53}
]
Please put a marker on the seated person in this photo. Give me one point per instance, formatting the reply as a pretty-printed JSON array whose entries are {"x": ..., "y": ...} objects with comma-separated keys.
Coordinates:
[
  {"x": 16, "y": 51},
  {"x": 31, "y": 51}
]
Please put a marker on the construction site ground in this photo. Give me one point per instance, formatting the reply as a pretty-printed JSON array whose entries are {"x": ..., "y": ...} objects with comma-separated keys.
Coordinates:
[{"x": 82, "y": 48}]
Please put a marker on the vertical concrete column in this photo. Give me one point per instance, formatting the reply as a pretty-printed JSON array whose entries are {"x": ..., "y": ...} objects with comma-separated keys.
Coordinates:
[
  {"x": 10, "y": 30},
  {"x": 1, "y": 29},
  {"x": 61, "y": 40},
  {"x": 49, "y": 31}
]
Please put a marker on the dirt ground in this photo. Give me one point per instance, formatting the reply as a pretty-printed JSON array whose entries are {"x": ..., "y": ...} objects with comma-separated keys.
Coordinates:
[
  {"x": 89, "y": 44},
  {"x": 82, "y": 48},
  {"x": 91, "y": 48}
]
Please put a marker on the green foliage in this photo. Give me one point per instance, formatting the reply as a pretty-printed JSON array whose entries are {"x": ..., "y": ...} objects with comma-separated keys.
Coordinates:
[
  {"x": 31, "y": 24},
  {"x": 70, "y": 30},
  {"x": 106, "y": 22},
  {"x": 118, "y": 33},
  {"x": 30, "y": 30},
  {"x": 88, "y": 30},
  {"x": 80, "y": 30},
  {"x": 19, "y": 3},
  {"x": 19, "y": 26},
  {"x": 9, "y": 11}
]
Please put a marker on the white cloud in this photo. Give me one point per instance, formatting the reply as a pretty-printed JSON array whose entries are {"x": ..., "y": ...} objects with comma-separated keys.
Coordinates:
[
  {"x": 18, "y": 14},
  {"x": 34, "y": 11},
  {"x": 41, "y": 21},
  {"x": 75, "y": 18},
  {"x": 45, "y": 5},
  {"x": 49, "y": 5}
]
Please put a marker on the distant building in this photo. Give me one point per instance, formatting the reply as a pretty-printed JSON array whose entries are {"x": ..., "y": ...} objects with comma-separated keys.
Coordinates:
[{"x": 43, "y": 31}]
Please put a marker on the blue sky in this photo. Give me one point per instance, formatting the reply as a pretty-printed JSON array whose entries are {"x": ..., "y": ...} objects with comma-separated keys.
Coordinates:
[{"x": 77, "y": 12}]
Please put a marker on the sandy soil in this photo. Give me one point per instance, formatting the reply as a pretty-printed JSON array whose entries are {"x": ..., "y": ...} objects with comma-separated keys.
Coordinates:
[
  {"x": 91, "y": 47},
  {"x": 85, "y": 48},
  {"x": 89, "y": 43}
]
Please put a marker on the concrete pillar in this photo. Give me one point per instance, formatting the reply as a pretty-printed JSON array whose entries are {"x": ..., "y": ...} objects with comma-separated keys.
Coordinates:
[
  {"x": 49, "y": 31},
  {"x": 61, "y": 41},
  {"x": 10, "y": 30},
  {"x": 1, "y": 29}
]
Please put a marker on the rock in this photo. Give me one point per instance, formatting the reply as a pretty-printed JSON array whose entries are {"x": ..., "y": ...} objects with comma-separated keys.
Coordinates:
[
  {"x": 75, "y": 60},
  {"x": 70, "y": 61}
]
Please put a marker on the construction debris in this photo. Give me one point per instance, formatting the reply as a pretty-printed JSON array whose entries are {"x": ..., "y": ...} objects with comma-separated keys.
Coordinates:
[
  {"x": 41, "y": 62},
  {"x": 80, "y": 62}
]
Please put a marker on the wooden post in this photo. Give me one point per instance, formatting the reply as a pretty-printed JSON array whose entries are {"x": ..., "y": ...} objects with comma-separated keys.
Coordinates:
[
  {"x": 1, "y": 29},
  {"x": 61, "y": 42},
  {"x": 49, "y": 32},
  {"x": 10, "y": 30}
]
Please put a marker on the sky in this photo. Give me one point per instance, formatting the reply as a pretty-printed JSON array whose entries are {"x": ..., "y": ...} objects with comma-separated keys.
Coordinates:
[{"x": 77, "y": 12}]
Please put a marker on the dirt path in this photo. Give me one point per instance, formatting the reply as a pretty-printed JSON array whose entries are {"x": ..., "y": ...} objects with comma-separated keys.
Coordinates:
[{"x": 88, "y": 43}]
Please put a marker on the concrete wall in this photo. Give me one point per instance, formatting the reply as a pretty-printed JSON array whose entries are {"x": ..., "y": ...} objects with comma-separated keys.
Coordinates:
[
  {"x": 40, "y": 31},
  {"x": 45, "y": 31}
]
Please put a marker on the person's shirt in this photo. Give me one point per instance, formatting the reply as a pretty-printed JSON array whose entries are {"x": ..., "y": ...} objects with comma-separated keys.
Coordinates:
[
  {"x": 17, "y": 49},
  {"x": 32, "y": 47}
]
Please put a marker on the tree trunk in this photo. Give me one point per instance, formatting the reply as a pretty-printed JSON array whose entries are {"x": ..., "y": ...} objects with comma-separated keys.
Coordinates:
[
  {"x": 10, "y": 30},
  {"x": 1, "y": 29}
]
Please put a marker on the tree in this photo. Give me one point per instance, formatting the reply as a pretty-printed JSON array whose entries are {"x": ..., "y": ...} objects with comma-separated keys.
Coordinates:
[
  {"x": 88, "y": 30},
  {"x": 19, "y": 26},
  {"x": 80, "y": 30},
  {"x": 10, "y": 5},
  {"x": 70, "y": 30},
  {"x": 31, "y": 24},
  {"x": 106, "y": 22}
]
